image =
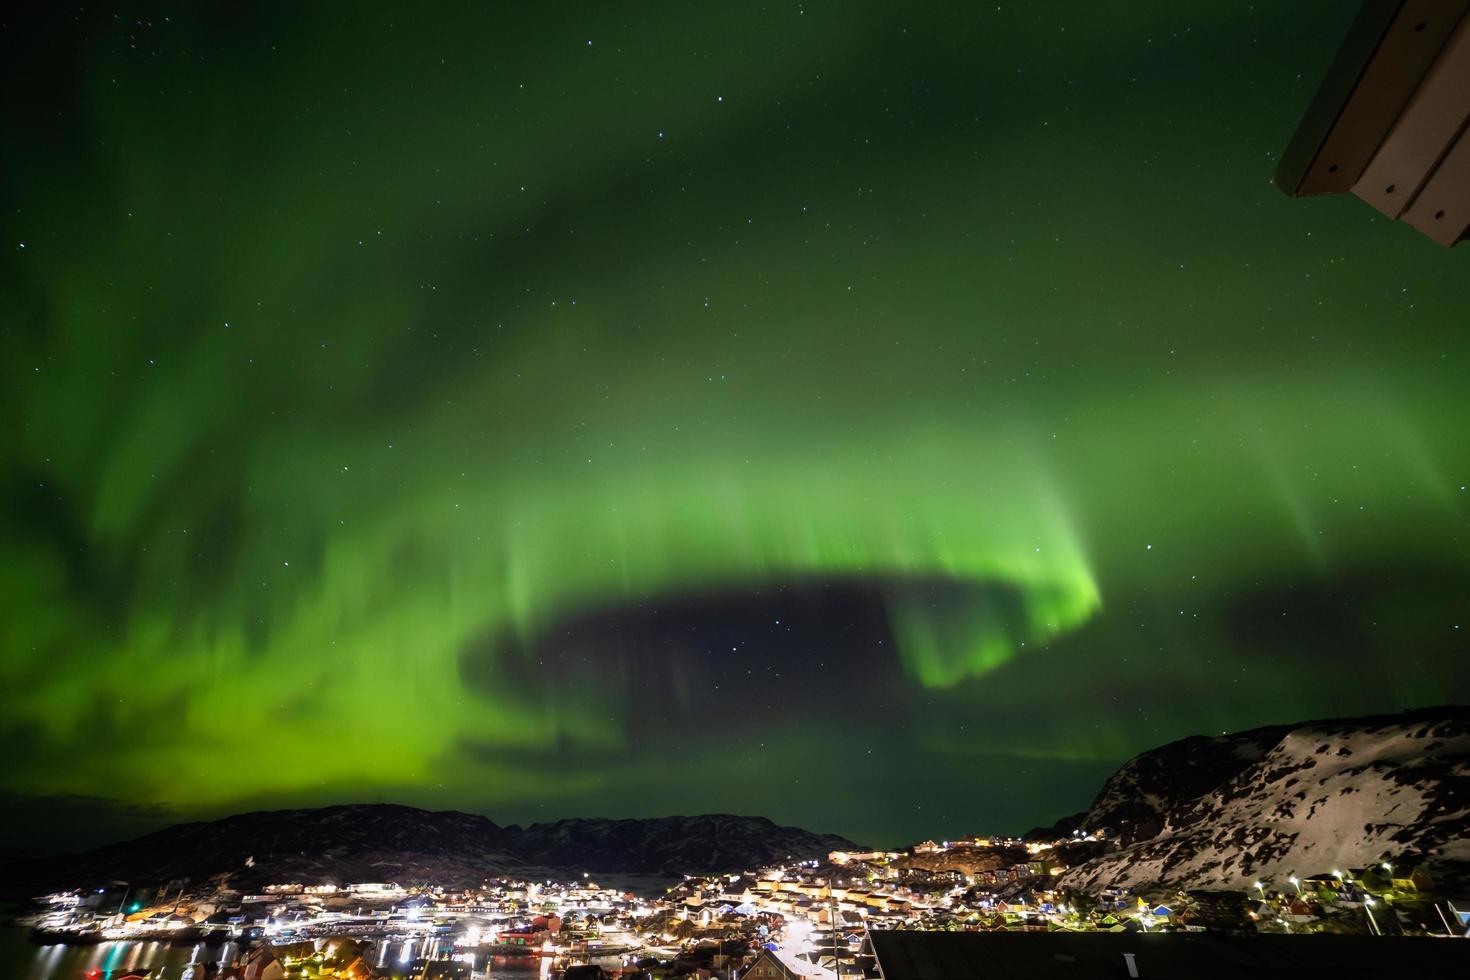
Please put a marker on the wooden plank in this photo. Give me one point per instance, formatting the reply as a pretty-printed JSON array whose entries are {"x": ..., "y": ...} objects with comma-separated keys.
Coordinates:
[
  {"x": 1425, "y": 130},
  {"x": 1343, "y": 75},
  {"x": 1442, "y": 209},
  {"x": 1414, "y": 38},
  {"x": 1387, "y": 52}
]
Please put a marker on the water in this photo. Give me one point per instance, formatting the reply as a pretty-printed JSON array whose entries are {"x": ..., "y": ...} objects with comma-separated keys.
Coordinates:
[{"x": 21, "y": 959}]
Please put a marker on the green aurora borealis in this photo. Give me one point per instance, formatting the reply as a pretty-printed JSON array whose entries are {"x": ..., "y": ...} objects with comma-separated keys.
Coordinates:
[{"x": 378, "y": 387}]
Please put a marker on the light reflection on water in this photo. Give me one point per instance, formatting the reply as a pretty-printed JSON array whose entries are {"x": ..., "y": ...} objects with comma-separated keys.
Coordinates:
[{"x": 21, "y": 959}]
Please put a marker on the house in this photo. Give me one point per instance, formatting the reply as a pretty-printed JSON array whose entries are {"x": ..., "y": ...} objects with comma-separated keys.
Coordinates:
[
  {"x": 843, "y": 857},
  {"x": 585, "y": 971},
  {"x": 767, "y": 966},
  {"x": 550, "y": 923},
  {"x": 1299, "y": 911},
  {"x": 1322, "y": 881},
  {"x": 262, "y": 964},
  {"x": 1219, "y": 909}
]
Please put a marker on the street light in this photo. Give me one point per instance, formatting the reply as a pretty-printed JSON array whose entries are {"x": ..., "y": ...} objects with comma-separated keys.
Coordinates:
[
  {"x": 1298, "y": 883},
  {"x": 1368, "y": 907}
]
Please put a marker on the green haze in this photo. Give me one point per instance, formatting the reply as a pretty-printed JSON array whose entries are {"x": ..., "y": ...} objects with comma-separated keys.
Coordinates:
[{"x": 348, "y": 360}]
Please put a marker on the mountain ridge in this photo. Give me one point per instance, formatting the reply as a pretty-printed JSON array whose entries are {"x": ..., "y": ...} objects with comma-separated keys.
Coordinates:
[
  {"x": 1200, "y": 812},
  {"x": 395, "y": 842}
]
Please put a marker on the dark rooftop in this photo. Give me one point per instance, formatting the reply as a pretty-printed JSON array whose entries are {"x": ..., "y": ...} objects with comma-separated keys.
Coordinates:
[{"x": 1199, "y": 956}]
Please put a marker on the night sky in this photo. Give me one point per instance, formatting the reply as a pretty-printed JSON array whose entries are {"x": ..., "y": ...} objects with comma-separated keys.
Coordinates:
[{"x": 884, "y": 418}]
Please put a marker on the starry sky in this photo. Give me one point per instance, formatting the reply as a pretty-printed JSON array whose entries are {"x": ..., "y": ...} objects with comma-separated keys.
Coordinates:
[{"x": 883, "y": 418}]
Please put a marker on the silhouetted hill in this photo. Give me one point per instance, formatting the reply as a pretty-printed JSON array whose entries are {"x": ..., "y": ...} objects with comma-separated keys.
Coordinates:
[
  {"x": 712, "y": 842},
  {"x": 385, "y": 842}
]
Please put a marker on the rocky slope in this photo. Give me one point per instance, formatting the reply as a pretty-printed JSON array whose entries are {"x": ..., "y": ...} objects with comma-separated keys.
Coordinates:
[
  {"x": 382, "y": 842},
  {"x": 1267, "y": 803}
]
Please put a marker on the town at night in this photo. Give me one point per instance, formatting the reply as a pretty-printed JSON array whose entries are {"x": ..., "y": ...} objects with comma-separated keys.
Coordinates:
[{"x": 772, "y": 491}]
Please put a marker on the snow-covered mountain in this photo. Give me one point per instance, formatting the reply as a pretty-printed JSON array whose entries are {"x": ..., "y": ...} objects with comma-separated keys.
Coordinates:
[{"x": 1299, "y": 799}]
